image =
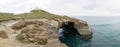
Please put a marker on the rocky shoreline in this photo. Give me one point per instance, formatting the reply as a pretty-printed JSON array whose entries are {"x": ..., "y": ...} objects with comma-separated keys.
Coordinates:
[{"x": 38, "y": 31}]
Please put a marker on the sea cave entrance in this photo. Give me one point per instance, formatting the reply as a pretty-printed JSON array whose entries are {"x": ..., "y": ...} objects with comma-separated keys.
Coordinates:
[{"x": 69, "y": 35}]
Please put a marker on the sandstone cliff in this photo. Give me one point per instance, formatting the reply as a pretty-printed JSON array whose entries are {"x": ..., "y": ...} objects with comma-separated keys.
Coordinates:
[{"x": 36, "y": 28}]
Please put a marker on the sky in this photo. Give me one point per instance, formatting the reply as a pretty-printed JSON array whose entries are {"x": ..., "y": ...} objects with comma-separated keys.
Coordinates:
[{"x": 64, "y": 7}]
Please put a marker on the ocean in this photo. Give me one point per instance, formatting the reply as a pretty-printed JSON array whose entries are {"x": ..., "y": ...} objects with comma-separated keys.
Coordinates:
[{"x": 106, "y": 32}]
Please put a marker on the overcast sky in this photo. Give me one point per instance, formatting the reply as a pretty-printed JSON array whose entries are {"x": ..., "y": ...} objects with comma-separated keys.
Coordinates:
[{"x": 64, "y": 7}]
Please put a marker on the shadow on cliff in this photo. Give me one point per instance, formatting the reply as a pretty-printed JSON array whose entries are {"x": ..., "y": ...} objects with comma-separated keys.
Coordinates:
[{"x": 69, "y": 35}]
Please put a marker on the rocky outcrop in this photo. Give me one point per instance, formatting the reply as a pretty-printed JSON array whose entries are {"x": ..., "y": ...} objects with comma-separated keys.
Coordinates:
[
  {"x": 84, "y": 30},
  {"x": 3, "y": 34},
  {"x": 36, "y": 31}
]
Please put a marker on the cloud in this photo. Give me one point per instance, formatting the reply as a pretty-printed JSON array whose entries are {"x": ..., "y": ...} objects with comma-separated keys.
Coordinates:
[
  {"x": 64, "y": 7},
  {"x": 20, "y": 6}
]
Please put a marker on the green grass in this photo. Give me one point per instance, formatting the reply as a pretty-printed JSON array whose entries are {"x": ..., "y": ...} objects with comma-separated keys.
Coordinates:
[
  {"x": 3, "y": 18},
  {"x": 40, "y": 14}
]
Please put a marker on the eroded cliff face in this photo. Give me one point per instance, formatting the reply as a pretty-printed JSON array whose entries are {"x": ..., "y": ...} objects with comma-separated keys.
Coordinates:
[
  {"x": 29, "y": 31},
  {"x": 22, "y": 32},
  {"x": 35, "y": 31}
]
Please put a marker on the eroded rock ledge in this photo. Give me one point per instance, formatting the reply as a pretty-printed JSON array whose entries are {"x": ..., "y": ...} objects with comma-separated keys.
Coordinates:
[{"x": 37, "y": 31}]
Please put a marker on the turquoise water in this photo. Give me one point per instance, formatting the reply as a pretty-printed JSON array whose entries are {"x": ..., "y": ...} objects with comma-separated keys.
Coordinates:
[{"x": 106, "y": 33}]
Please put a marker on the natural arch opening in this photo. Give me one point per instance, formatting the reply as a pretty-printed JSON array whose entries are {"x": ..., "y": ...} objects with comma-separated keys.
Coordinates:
[{"x": 69, "y": 35}]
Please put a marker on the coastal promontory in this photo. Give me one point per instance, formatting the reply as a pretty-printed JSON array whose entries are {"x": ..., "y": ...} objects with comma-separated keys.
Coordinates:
[{"x": 37, "y": 28}]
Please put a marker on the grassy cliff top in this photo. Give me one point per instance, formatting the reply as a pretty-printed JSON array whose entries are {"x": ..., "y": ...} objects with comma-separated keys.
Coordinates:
[{"x": 36, "y": 13}]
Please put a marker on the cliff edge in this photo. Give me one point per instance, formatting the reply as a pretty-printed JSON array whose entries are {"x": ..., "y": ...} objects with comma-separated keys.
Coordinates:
[{"x": 36, "y": 28}]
